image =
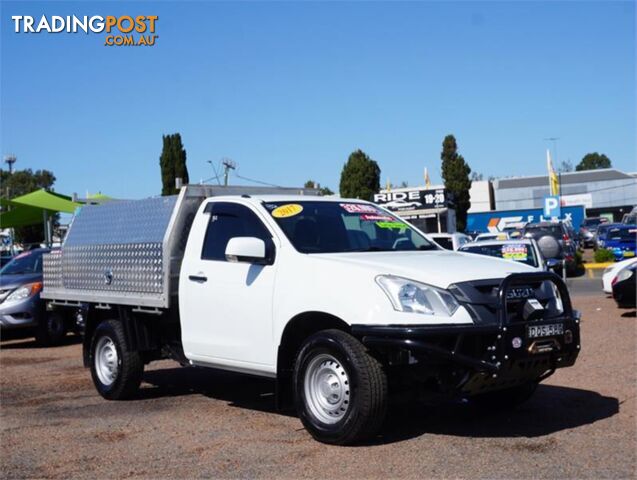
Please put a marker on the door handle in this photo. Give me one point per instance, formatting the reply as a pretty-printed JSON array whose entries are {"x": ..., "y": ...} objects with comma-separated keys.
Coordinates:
[{"x": 198, "y": 278}]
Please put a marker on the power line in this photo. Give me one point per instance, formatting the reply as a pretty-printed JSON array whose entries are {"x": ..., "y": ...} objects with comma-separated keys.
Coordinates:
[{"x": 257, "y": 181}]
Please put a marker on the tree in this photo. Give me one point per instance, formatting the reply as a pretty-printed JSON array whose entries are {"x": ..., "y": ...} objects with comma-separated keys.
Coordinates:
[
  {"x": 20, "y": 183},
  {"x": 323, "y": 190},
  {"x": 172, "y": 163},
  {"x": 476, "y": 177},
  {"x": 593, "y": 161},
  {"x": 565, "y": 166},
  {"x": 360, "y": 177},
  {"x": 455, "y": 174}
]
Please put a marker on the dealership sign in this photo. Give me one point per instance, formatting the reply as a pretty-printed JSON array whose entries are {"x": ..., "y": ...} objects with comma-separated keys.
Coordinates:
[
  {"x": 413, "y": 199},
  {"x": 498, "y": 221}
]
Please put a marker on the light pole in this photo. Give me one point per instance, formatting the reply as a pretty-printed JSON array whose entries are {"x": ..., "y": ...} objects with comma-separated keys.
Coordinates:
[{"x": 10, "y": 160}]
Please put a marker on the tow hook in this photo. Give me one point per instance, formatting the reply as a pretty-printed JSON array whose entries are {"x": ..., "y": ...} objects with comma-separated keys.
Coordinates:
[{"x": 544, "y": 346}]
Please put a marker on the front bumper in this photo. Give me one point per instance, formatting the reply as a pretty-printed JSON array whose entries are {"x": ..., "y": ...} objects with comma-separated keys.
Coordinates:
[
  {"x": 490, "y": 355},
  {"x": 23, "y": 314}
]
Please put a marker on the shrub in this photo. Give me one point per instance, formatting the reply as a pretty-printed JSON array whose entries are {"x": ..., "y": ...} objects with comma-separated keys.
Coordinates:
[{"x": 602, "y": 256}]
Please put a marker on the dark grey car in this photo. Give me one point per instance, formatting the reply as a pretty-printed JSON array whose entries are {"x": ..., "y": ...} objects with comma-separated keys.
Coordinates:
[
  {"x": 20, "y": 303},
  {"x": 562, "y": 234}
]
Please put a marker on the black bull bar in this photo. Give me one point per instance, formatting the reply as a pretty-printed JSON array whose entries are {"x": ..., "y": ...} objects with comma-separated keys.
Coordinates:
[{"x": 499, "y": 355}]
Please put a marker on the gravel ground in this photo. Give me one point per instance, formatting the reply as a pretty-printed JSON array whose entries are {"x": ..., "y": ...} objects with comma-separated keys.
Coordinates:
[{"x": 203, "y": 423}]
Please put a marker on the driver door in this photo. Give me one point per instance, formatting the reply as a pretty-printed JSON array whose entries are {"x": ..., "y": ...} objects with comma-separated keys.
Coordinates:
[{"x": 226, "y": 307}]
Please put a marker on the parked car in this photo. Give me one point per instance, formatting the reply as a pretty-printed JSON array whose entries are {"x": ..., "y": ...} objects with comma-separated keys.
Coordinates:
[
  {"x": 622, "y": 241},
  {"x": 514, "y": 232},
  {"x": 588, "y": 228},
  {"x": 524, "y": 250},
  {"x": 600, "y": 235},
  {"x": 624, "y": 287},
  {"x": 5, "y": 257},
  {"x": 450, "y": 241},
  {"x": 20, "y": 302},
  {"x": 472, "y": 233},
  {"x": 332, "y": 298},
  {"x": 492, "y": 236},
  {"x": 611, "y": 272},
  {"x": 630, "y": 218},
  {"x": 559, "y": 231}
]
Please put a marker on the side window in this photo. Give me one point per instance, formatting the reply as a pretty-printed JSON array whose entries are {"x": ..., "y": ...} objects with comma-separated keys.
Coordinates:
[{"x": 229, "y": 220}]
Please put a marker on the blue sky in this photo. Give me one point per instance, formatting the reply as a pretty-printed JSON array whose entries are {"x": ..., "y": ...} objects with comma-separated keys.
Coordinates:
[{"x": 288, "y": 90}]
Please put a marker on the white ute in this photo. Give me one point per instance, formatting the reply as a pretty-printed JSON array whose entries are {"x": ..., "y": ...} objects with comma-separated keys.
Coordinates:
[{"x": 339, "y": 300}]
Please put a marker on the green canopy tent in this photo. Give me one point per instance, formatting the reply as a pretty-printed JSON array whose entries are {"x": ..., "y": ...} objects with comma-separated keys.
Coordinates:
[
  {"x": 98, "y": 197},
  {"x": 20, "y": 216},
  {"x": 49, "y": 201},
  {"x": 36, "y": 207}
]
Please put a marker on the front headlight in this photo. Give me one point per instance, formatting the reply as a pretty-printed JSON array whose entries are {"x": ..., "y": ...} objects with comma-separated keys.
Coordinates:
[
  {"x": 625, "y": 274},
  {"x": 415, "y": 297},
  {"x": 25, "y": 291}
]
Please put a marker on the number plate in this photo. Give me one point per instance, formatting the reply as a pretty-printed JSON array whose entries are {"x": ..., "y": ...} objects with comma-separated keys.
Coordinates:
[{"x": 551, "y": 330}]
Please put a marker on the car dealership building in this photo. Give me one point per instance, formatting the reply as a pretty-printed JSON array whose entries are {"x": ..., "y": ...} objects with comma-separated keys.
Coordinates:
[{"x": 606, "y": 192}]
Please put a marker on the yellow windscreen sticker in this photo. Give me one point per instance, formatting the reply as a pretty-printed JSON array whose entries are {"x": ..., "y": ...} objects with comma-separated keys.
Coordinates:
[{"x": 285, "y": 211}]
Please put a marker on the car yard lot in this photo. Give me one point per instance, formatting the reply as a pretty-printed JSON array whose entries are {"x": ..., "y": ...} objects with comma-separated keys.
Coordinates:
[{"x": 203, "y": 423}]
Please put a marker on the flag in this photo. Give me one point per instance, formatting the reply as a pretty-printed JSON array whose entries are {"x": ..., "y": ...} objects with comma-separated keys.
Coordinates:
[
  {"x": 553, "y": 180},
  {"x": 427, "y": 181}
]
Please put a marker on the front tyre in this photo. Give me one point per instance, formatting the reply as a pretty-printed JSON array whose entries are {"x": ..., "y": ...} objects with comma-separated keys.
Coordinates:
[
  {"x": 116, "y": 371},
  {"x": 340, "y": 389}
]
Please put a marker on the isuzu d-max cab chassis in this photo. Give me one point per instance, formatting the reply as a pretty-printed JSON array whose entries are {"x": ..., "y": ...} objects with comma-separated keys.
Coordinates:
[{"x": 338, "y": 300}]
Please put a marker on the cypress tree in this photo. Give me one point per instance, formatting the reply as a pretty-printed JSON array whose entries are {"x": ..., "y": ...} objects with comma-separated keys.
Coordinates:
[
  {"x": 172, "y": 163},
  {"x": 455, "y": 174}
]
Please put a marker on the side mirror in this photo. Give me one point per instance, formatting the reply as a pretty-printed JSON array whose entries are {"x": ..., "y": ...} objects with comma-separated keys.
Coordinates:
[
  {"x": 553, "y": 263},
  {"x": 246, "y": 249}
]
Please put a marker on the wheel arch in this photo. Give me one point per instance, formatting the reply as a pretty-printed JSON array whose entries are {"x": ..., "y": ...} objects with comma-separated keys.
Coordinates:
[{"x": 299, "y": 328}]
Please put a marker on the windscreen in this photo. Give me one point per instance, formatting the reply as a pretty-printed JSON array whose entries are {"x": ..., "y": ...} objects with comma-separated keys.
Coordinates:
[
  {"x": 591, "y": 222},
  {"x": 333, "y": 227},
  {"x": 521, "y": 252},
  {"x": 539, "y": 231},
  {"x": 28, "y": 262},
  {"x": 444, "y": 242},
  {"x": 623, "y": 234}
]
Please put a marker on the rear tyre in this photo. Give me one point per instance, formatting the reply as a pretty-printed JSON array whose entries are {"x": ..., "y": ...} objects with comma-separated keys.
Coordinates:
[
  {"x": 116, "y": 371},
  {"x": 51, "y": 329},
  {"x": 340, "y": 390},
  {"x": 506, "y": 399}
]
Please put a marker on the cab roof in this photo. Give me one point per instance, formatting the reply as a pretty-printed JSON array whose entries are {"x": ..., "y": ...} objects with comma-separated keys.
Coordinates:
[{"x": 288, "y": 198}]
